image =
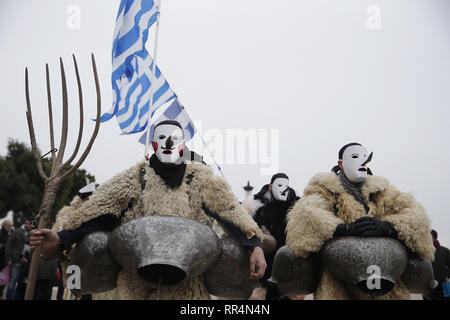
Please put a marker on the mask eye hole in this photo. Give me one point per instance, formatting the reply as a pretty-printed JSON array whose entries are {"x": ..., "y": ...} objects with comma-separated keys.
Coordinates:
[
  {"x": 354, "y": 156},
  {"x": 161, "y": 136},
  {"x": 280, "y": 185},
  {"x": 175, "y": 138}
]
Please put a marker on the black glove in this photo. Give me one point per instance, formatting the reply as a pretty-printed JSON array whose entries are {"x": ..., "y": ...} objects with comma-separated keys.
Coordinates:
[
  {"x": 376, "y": 228},
  {"x": 366, "y": 227},
  {"x": 345, "y": 230}
]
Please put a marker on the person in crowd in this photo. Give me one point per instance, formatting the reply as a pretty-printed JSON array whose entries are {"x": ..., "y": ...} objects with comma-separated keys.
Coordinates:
[
  {"x": 441, "y": 268},
  {"x": 276, "y": 199},
  {"x": 46, "y": 276},
  {"x": 17, "y": 255},
  {"x": 350, "y": 201},
  {"x": 7, "y": 227},
  {"x": 164, "y": 185}
]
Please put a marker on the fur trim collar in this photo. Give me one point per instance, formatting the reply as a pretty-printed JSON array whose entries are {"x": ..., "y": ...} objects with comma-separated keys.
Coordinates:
[
  {"x": 331, "y": 181},
  {"x": 374, "y": 184},
  {"x": 251, "y": 205}
]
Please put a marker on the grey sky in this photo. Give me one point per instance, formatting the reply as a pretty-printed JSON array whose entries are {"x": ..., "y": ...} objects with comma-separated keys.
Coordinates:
[{"x": 311, "y": 69}]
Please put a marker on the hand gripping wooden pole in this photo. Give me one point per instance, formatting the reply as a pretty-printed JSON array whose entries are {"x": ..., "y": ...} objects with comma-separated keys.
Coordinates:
[{"x": 59, "y": 170}]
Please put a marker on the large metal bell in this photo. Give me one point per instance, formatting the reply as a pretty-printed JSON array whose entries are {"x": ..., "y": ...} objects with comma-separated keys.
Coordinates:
[
  {"x": 373, "y": 265},
  {"x": 165, "y": 250},
  {"x": 418, "y": 276},
  {"x": 295, "y": 275},
  {"x": 98, "y": 269},
  {"x": 229, "y": 277}
]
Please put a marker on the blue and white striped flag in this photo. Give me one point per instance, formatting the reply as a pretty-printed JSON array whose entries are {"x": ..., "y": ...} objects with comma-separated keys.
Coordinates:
[
  {"x": 133, "y": 66},
  {"x": 174, "y": 112}
]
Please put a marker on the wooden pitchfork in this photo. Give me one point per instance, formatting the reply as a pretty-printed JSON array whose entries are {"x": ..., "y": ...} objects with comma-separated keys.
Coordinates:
[{"x": 59, "y": 170}]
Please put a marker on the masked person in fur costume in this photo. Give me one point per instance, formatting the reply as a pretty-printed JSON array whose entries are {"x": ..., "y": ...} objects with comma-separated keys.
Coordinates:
[
  {"x": 165, "y": 185},
  {"x": 273, "y": 202},
  {"x": 350, "y": 201}
]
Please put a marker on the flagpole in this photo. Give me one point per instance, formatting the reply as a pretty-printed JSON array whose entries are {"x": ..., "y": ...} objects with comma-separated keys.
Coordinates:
[
  {"x": 212, "y": 156},
  {"x": 152, "y": 81},
  {"x": 203, "y": 141},
  {"x": 147, "y": 140}
]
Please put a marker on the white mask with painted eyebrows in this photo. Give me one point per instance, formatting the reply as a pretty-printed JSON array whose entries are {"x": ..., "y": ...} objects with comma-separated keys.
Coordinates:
[
  {"x": 280, "y": 189},
  {"x": 168, "y": 143},
  {"x": 354, "y": 161}
]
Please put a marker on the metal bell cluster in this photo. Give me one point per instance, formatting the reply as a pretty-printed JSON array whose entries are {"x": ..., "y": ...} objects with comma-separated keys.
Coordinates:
[
  {"x": 356, "y": 261},
  {"x": 163, "y": 251}
]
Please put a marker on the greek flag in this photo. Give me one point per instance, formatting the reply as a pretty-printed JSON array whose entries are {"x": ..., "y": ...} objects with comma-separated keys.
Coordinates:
[
  {"x": 132, "y": 68},
  {"x": 174, "y": 112}
]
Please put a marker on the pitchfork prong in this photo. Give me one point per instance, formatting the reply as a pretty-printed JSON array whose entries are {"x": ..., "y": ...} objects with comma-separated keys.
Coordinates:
[
  {"x": 50, "y": 112},
  {"x": 97, "y": 123},
  {"x": 80, "y": 130}
]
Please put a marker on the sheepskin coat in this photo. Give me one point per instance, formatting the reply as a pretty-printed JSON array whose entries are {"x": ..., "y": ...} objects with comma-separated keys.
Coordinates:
[
  {"x": 140, "y": 192},
  {"x": 65, "y": 212},
  {"x": 326, "y": 204}
]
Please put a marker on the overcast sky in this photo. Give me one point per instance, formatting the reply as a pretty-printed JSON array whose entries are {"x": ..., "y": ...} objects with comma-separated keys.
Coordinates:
[{"x": 315, "y": 74}]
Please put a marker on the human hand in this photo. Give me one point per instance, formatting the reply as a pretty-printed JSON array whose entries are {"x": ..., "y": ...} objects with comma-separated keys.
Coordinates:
[
  {"x": 356, "y": 228},
  {"x": 257, "y": 263},
  {"x": 378, "y": 228},
  {"x": 346, "y": 230},
  {"x": 49, "y": 240}
]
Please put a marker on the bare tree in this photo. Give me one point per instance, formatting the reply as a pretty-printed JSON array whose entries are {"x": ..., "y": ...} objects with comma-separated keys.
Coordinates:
[{"x": 59, "y": 170}]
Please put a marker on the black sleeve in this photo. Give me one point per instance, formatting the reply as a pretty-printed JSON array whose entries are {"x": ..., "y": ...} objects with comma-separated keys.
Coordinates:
[
  {"x": 105, "y": 222},
  {"x": 233, "y": 230},
  {"x": 259, "y": 217}
]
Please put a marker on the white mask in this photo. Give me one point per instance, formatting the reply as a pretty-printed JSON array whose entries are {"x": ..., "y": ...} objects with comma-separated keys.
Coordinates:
[
  {"x": 354, "y": 161},
  {"x": 168, "y": 143},
  {"x": 280, "y": 189}
]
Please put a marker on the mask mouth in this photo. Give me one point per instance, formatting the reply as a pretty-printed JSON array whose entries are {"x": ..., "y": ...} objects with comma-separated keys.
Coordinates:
[
  {"x": 362, "y": 169},
  {"x": 167, "y": 151},
  {"x": 285, "y": 191}
]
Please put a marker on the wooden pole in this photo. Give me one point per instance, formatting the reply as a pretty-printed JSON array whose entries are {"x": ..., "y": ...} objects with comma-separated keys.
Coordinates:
[{"x": 152, "y": 81}]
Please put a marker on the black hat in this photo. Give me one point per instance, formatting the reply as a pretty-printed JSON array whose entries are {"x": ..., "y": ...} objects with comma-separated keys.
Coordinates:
[
  {"x": 278, "y": 175},
  {"x": 341, "y": 152},
  {"x": 172, "y": 122}
]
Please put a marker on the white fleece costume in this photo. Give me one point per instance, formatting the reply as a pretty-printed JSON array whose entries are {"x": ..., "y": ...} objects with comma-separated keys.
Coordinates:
[
  {"x": 140, "y": 192},
  {"x": 326, "y": 204}
]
